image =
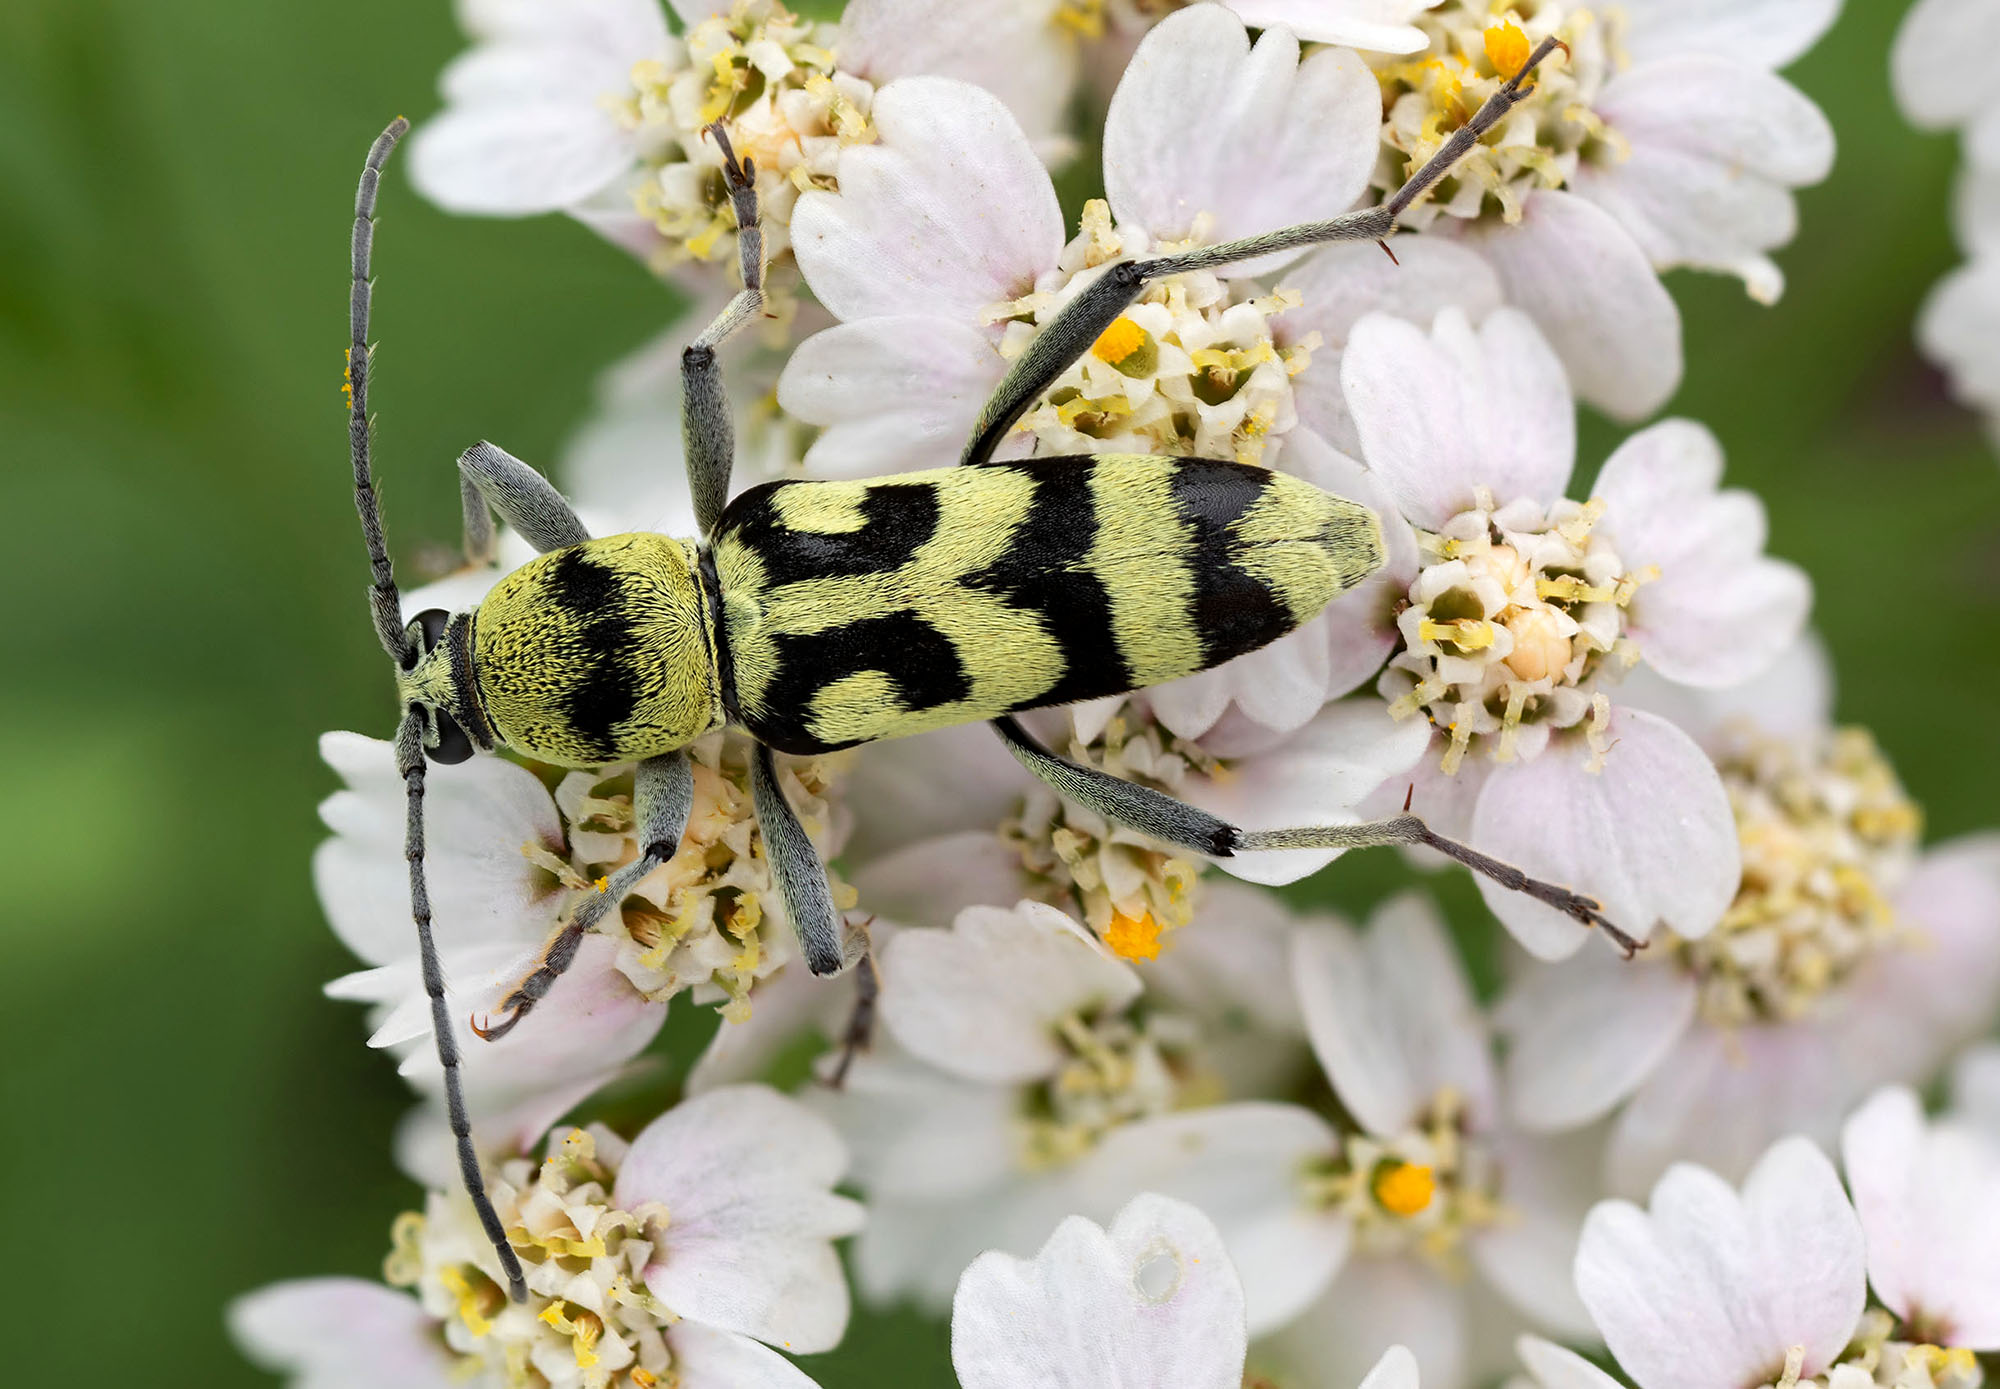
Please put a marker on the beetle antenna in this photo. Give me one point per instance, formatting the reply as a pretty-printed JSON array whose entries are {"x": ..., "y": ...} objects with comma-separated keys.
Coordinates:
[
  {"x": 410, "y": 762},
  {"x": 386, "y": 605},
  {"x": 383, "y": 600}
]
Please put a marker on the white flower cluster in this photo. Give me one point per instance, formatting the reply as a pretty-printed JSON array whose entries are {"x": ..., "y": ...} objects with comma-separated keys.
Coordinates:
[{"x": 1253, "y": 1147}]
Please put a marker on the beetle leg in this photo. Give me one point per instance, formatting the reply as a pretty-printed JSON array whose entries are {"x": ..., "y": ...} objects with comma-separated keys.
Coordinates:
[
  {"x": 491, "y": 477},
  {"x": 795, "y": 863},
  {"x": 707, "y": 431},
  {"x": 1070, "y": 334},
  {"x": 1175, "y": 822},
  {"x": 664, "y": 794}
]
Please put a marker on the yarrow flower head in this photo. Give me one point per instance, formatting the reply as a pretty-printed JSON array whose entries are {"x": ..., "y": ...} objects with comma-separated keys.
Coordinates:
[
  {"x": 1356, "y": 1230},
  {"x": 661, "y": 1262},
  {"x": 1712, "y": 1288},
  {"x": 1527, "y": 607},
  {"x": 1847, "y": 957},
  {"x": 599, "y": 110}
]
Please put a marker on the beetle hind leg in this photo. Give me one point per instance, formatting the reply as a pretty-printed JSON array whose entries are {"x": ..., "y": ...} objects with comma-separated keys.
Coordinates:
[{"x": 1175, "y": 822}]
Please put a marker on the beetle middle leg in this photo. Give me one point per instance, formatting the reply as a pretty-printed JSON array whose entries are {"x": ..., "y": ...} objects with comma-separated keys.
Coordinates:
[
  {"x": 1070, "y": 334},
  {"x": 708, "y": 434},
  {"x": 1176, "y": 822},
  {"x": 663, "y": 795},
  {"x": 796, "y": 866}
]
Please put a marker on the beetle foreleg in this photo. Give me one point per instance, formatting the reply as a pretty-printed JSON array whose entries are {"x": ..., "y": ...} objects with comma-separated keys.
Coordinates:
[
  {"x": 663, "y": 791},
  {"x": 795, "y": 863}
]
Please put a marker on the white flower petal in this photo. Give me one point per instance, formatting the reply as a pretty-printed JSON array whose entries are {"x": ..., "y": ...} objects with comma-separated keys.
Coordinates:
[
  {"x": 1557, "y": 1367},
  {"x": 981, "y": 1000},
  {"x": 341, "y": 1333},
  {"x": 1792, "y": 699},
  {"x": 892, "y": 394},
  {"x": 1391, "y": 1016},
  {"x": 1957, "y": 327},
  {"x": 1151, "y": 1302},
  {"x": 1317, "y": 776},
  {"x": 1650, "y": 836},
  {"x": 1766, "y": 33},
  {"x": 477, "y": 817},
  {"x": 747, "y": 1175},
  {"x": 914, "y": 789},
  {"x": 706, "y": 1358},
  {"x": 923, "y": 1135},
  {"x": 1715, "y": 149},
  {"x": 1397, "y": 1369},
  {"x": 1241, "y": 1164},
  {"x": 1197, "y": 95},
  {"x": 949, "y": 210},
  {"x": 1939, "y": 61},
  {"x": 930, "y": 882},
  {"x": 1344, "y": 283},
  {"x": 1529, "y": 1257},
  {"x": 517, "y": 160},
  {"x": 1375, "y": 1304},
  {"x": 620, "y": 29},
  {"x": 1359, "y": 627},
  {"x": 1373, "y": 26},
  {"x": 1595, "y": 295},
  {"x": 1015, "y": 50},
  {"x": 1443, "y": 413},
  {"x": 1584, "y": 1035},
  {"x": 1720, "y": 612},
  {"x": 1709, "y": 1290},
  {"x": 1929, "y": 1202}
]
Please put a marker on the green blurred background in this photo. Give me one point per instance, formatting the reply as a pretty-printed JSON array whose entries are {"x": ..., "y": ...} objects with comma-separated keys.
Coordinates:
[{"x": 187, "y": 1116}]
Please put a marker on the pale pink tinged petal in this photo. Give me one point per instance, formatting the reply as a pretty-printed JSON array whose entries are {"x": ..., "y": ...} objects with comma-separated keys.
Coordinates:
[
  {"x": 1594, "y": 293},
  {"x": 478, "y": 815},
  {"x": 746, "y": 1174},
  {"x": 705, "y": 1358},
  {"x": 514, "y": 73},
  {"x": 1529, "y": 1257},
  {"x": 1373, "y": 26},
  {"x": 948, "y": 212},
  {"x": 1391, "y": 1016},
  {"x": 1241, "y": 1163},
  {"x": 1584, "y": 1035},
  {"x": 892, "y": 394},
  {"x": 784, "y": 1007},
  {"x": 1233, "y": 961},
  {"x": 1720, "y": 1098},
  {"x": 923, "y": 1135},
  {"x": 1792, "y": 699},
  {"x": 1445, "y": 800},
  {"x": 1359, "y": 627},
  {"x": 1811, "y": 1262},
  {"x": 1975, "y": 1088},
  {"x": 1016, "y": 51},
  {"x": 1197, "y": 95},
  {"x": 930, "y": 882},
  {"x": 1374, "y": 1304},
  {"x": 341, "y": 1333},
  {"x": 514, "y": 161},
  {"x": 1153, "y": 1301},
  {"x": 1445, "y": 413},
  {"x": 1951, "y": 976},
  {"x": 1720, "y": 612},
  {"x": 1940, "y": 61},
  {"x": 1715, "y": 149},
  {"x": 1316, "y": 777},
  {"x": 1279, "y": 686},
  {"x": 1764, "y": 33},
  {"x": 914, "y": 789},
  {"x": 631, "y": 29},
  {"x": 1650, "y": 836},
  {"x": 692, "y": 12},
  {"x": 1976, "y": 201},
  {"x": 1558, "y": 1367},
  {"x": 982, "y": 999},
  {"x": 1880, "y": 1147},
  {"x": 1344, "y": 283}
]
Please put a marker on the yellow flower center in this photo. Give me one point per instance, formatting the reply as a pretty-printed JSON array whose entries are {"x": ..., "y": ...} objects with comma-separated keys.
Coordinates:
[
  {"x": 1134, "y": 937},
  {"x": 1406, "y": 1189},
  {"x": 1119, "y": 341},
  {"x": 1507, "y": 48}
]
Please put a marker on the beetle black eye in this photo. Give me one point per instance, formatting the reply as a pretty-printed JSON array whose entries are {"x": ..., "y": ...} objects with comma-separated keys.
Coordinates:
[
  {"x": 432, "y": 622},
  {"x": 453, "y": 747}
]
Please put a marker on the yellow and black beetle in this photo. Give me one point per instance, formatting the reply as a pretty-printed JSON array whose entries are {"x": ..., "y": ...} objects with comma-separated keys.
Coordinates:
[{"x": 818, "y": 615}]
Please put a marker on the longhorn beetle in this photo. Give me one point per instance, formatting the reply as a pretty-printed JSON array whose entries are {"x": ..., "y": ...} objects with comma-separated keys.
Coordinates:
[{"x": 819, "y": 615}]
